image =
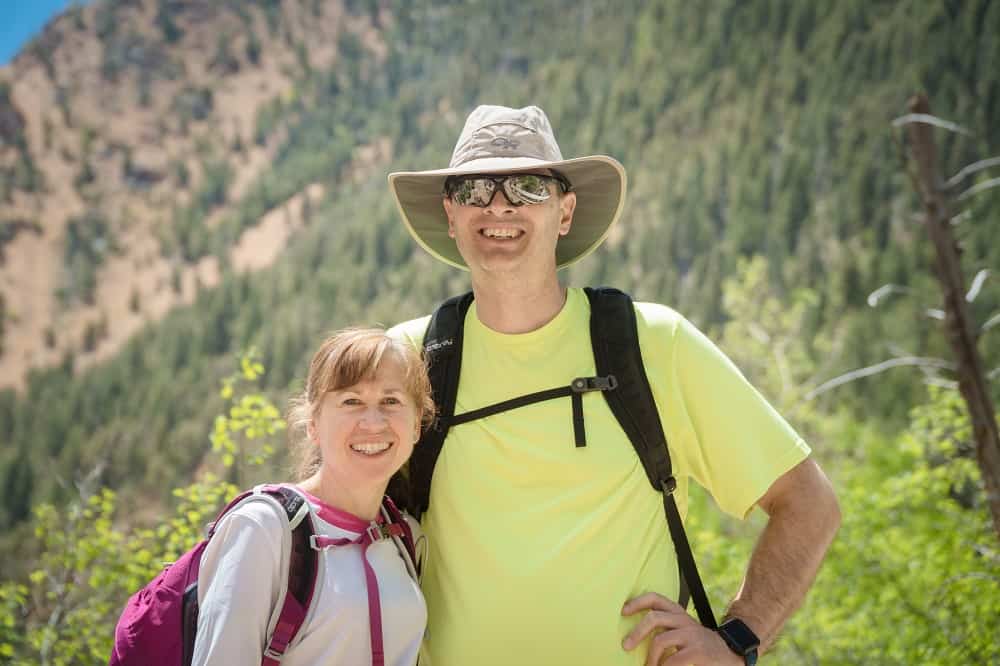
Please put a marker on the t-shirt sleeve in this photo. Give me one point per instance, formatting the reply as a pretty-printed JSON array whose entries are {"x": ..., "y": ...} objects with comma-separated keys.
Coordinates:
[
  {"x": 237, "y": 586},
  {"x": 723, "y": 433},
  {"x": 411, "y": 332}
]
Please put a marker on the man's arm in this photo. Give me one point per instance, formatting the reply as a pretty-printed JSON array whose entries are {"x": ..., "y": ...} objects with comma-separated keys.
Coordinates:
[{"x": 803, "y": 518}]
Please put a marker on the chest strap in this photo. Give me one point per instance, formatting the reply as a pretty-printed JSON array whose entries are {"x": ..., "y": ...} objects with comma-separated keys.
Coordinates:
[
  {"x": 575, "y": 391},
  {"x": 375, "y": 532}
]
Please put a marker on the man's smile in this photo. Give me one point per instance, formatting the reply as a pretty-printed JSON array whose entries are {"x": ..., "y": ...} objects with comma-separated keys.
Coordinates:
[{"x": 501, "y": 233}]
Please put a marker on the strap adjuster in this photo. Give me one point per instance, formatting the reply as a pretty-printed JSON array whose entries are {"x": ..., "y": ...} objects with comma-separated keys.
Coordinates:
[
  {"x": 585, "y": 384},
  {"x": 271, "y": 653},
  {"x": 377, "y": 532},
  {"x": 669, "y": 485}
]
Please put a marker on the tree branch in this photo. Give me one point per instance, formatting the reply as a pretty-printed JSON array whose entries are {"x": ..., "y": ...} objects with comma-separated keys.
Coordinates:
[
  {"x": 971, "y": 169},
  {"x": 870, "y": 370}
]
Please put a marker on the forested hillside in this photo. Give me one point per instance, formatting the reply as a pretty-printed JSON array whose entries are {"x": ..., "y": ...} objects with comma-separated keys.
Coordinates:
[{"x": 768, "y": 197}]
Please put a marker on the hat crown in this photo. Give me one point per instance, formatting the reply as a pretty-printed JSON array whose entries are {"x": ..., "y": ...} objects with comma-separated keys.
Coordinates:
[{"x": 492, "y": 132}]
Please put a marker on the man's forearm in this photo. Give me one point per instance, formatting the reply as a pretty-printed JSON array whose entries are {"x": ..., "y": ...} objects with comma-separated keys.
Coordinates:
[{"x": 803, "y": 519}]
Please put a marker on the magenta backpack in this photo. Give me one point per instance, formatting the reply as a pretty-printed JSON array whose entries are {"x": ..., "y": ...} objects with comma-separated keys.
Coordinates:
[{"x": 160, "y": 621}]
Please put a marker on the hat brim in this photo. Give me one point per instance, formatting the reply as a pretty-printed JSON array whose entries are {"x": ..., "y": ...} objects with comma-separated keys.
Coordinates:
[{"x": 599, "y": 182}]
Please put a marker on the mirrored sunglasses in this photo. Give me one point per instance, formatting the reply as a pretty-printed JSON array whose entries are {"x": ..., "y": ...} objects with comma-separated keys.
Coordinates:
[{"x": 519, "y": 188}]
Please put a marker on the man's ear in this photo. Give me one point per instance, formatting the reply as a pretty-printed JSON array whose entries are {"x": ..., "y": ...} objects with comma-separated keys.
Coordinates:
[
  {"x": 446, "y": 202},
  {"x": 567, "y": 204}
]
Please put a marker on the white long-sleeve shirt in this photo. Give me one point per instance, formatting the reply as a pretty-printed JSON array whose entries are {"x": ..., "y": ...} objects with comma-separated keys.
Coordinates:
[{"x": 243, "y": 576}]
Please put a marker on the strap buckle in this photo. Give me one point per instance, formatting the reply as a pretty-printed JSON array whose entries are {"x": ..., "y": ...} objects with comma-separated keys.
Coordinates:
[
  {"x": 668, "y": 485},
  {"x": 585, "y": 384},
  {"x": 376, "y": 532},
  {"x": 271, "y": 653}
]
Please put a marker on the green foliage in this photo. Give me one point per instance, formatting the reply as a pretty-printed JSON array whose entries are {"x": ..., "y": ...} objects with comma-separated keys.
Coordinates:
[
  {"x": 766, "y": 201},
  {"x": 88, "y": 241},
  {"x": 914, "y": 576},
  {"x": 189, "y": 235},
  {"x": 223, "y": 59},
  {"x": 250, "y": 417},
  {"x": 89, "y": 563},
  {"x": 253, "y": 47},
  {"x": 165, "y": 22},
  {"x": 88, "y": 568},
  {"x": 192, "y": 104},
  {"x": 9, "y": 229}
]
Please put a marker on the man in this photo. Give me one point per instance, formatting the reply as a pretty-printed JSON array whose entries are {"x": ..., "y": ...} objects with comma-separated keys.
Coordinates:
[{"x": 542, "y": 552}]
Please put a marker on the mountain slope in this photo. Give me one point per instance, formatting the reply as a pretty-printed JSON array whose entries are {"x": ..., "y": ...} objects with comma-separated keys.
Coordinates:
[{"x": 755, "y": 129}]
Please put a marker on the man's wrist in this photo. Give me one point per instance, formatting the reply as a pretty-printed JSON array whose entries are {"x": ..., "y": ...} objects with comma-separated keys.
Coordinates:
[{"x": 741, "y": 639}]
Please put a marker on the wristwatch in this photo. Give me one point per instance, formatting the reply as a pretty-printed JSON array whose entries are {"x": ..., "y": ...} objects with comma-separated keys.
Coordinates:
[{"x": 740, "y": 639}]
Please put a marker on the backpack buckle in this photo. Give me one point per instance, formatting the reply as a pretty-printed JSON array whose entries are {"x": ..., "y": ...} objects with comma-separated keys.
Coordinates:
[
  {"x": 584, "y": 384},
  {"x": 271, "y": 653},
  {"x": 377, "y": 532}
]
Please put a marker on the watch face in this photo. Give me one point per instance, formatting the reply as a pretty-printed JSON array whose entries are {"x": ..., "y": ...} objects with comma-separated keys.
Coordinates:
[{"x": 738, "y": 636}]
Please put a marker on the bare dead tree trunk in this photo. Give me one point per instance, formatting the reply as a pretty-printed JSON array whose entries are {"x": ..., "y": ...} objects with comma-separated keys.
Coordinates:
[{"x": 961, "y": 336}]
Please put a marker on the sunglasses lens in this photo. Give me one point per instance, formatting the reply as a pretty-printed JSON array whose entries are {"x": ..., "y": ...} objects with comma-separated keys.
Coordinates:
[
  {"x": 519, "y": 188},
  {"x": 473, "y": 191},
  {"x": 526, "y": 189}
]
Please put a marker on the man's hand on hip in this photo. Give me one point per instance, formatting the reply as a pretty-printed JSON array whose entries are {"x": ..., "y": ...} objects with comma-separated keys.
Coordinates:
[{"x": 669, "y": 626}]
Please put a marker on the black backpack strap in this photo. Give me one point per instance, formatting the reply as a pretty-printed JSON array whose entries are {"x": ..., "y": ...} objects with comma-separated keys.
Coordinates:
[
  {"x": 615, "y": 340},
  {"x": 443, "y": 356},
  {"x": 574, "y": 391}
]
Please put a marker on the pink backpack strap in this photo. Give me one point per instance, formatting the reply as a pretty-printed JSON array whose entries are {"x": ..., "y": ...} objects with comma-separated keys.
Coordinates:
[
  {"x": 302, "y": 572},
  {"x": 396, "y": 517},
  {"x": 375, "y": 532}
]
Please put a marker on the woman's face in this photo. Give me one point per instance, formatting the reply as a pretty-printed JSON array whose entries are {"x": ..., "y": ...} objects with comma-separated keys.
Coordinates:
[{"x": 367, "y": 431}]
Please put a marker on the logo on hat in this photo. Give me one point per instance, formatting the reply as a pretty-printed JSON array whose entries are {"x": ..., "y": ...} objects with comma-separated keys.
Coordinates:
[{"x": 505, "y": 143}]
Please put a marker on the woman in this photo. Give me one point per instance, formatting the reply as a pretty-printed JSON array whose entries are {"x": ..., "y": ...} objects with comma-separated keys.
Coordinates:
[{"x": 365, "y": 401}]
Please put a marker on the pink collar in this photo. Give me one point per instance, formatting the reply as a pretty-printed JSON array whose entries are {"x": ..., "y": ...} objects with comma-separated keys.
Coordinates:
[{"x": 345, "y": 520}]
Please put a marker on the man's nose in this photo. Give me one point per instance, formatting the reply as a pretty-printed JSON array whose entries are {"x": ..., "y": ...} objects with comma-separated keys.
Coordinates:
[{"x": 499, "y": 203}]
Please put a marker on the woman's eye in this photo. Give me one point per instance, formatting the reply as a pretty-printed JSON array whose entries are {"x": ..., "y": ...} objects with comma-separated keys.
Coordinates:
[
  {"x": 391, "y": 401},
  {"x": 351, "y": 401}
]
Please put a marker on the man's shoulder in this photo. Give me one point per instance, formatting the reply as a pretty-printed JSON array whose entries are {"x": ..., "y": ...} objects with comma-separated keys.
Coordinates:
[
  {"x": 656, "y": 316},
  {"x": 411, "y": 332}
]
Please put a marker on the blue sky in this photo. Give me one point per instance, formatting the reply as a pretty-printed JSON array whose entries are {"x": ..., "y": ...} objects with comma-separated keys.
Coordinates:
[{"x": 20, "y": 20}]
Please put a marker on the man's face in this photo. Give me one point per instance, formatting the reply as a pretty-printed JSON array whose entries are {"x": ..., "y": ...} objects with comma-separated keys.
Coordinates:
[{"x": 503, "y": 238}]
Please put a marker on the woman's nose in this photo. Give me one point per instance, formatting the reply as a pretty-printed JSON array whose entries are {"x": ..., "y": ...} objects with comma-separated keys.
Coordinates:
[{"x": 373, "y": 418}]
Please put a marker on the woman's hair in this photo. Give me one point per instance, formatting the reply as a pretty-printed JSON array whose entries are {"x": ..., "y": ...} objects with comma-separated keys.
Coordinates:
[{"x": 345, "y": 358}]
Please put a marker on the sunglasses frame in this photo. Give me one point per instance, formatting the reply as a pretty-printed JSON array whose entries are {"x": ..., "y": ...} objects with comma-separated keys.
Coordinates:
[{"x": 500, "y": 181}]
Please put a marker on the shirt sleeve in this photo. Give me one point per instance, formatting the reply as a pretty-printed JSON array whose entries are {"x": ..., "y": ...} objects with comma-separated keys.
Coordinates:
[
  {"x": 721, "y": 431},
  {"x": 238, "y": 586},
  {"x": 411, "y": 332}
]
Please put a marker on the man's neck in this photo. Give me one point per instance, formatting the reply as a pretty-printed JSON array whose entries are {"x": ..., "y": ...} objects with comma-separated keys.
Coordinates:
[{"x": 517, "y": 305}]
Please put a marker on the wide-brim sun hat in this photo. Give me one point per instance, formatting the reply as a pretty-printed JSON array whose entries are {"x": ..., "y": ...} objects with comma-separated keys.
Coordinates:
[{"x": 498, "y": 140}]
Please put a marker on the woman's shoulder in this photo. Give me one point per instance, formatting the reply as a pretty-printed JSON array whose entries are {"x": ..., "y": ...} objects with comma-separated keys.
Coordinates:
[{"x": 258, "y": 518}]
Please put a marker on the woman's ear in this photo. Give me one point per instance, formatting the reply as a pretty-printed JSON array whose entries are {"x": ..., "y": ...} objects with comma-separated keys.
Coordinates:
[{"x": 311, "y": 431}]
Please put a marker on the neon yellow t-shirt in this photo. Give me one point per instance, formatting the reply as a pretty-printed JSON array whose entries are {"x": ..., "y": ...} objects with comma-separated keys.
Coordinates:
[{"x": 535, "y": 544}]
